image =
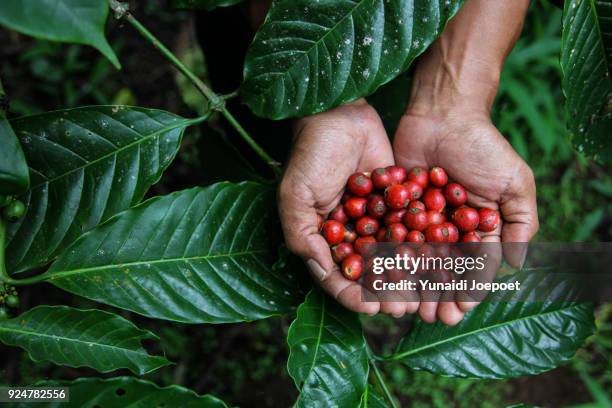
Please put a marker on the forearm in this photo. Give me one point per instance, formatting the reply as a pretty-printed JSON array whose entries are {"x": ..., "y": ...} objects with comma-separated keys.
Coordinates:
[{"x": 463, "y": 67}]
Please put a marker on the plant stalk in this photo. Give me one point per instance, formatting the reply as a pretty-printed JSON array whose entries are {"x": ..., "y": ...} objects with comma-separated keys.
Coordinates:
[
  {"x": 217, "y": 102},
  {"x": 382, "y": 384}
]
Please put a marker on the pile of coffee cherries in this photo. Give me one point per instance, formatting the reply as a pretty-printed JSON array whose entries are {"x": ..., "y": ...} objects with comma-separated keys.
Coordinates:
[{"x": 395, "y": 205}]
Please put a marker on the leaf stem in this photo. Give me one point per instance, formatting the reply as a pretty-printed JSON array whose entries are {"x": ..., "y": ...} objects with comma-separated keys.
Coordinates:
[
  {"x": 217, "y": 102},
  {"x": 4, "y": 276},
  {"x": 381, "y": 382}
]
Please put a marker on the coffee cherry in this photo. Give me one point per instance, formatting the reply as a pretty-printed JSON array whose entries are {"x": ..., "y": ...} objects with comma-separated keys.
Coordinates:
[
  {"x": 434, "y": 199},
  {"x": 470, "y": 237},
  {"x": 4, "y": 314},
  {"x": 419, "y": 175},
  {"x": 453, "y": 232},
  {"x": 489, "y": 219},
  {"x": 380, "y": 234},
  {"x": 466, "y": 219},
  {"x": 341, "y": 251},
  {"x": 415, "y": 219},
  {"x": 396, "y": 233},
  {"x": 359, "y": 184},
  {"x": 397, "y": 173},
  {"x": 352, "y": 266},
  {"x": 416, "y": 237},
  {"x": 394, "y": 216},
  {"x": 339, "y": 215},
  {"x": 405, "y": 249},
  {"x": 381, "y": 178},
  {"x": 355, "y": 207},
  {"x": 333, "y": 231},
  {"x": 455, "y": 194},
  {"x": 366, "y": 226},
  {"x": 417, "y": 204},
  {"x": 12, "y": 301},
  {"x": 436, "y": 233},
  {"x": 5, "y": 200},
  {"x": 397, "y": 196},
  {"x": 415, "y": 190},
  {"x": 376, "y": 206},
  {"x": 435, "y": 217},
  {"x": 349, "y": 234},
  {"x": 365, "y": 245},
  {"x": 14, "y": 211},
  {"x": 437, "y": 177}
]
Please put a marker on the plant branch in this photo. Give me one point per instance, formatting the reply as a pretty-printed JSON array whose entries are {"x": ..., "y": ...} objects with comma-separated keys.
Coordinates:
[
  {"x": 217, "y": 102},
  {"x": 381, "y": 381}
]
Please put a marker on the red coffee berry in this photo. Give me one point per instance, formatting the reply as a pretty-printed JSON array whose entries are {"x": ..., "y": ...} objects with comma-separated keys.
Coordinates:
[
  {"x": 437, "y": 176},
  {"x": 352, "y": 266},
  {"x": 419, "y": 175},
  {"x": 349, "y": 234},
  {"x": 416, "y": 237},
  {"x": 355, "y": 207},
  {"x": 415, "y": 189},
  {"x": 417, "y": 204},
  {"x": 394, "y": 216},
  {"x": 381, "y": 178},
  {"x": 376, "y": 206},
  {"x": 415, "y": 219},
  {"x": 320, "y": 221},
  {"x": 359, "y": 184},
  {"x": 397, "y": 196},
  {"x": 397, "y": 174},
  {"x": 489, "y": 219},
  {"x": 333, "y": 231},
  {"x": 338, "y": 214},
  {"x": 405, "y": 249},
  {"x": 434, "y": 199},
  {"x": 435, "y": 217},
  {"x": 380, "y": 234},
  {"x": 366, "y": 226},
  {"x": 455, "y": 194},
  {"x": 396, "y": 233},
  {"x": 364, "y": 245},
  {"x": 436, "y": 233},
  {"x": 453, "y": 232},
  {"x": 466, "y": 219},
  {"x": 470, "y": 237},
  {"x": 341, "y": 251}
]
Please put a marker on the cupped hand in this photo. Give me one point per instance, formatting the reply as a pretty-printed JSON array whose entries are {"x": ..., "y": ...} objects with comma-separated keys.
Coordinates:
[
  {"x": 473, "y": 153},
  {"x": 328, "y": 148}
]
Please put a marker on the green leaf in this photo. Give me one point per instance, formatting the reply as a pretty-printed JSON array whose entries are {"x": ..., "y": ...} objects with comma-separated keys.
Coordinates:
[
  {"x": 86, "y": 165},
  {"x": 370, "y": 399},
  {"x": 119, "y": 392},
  {"x": 309, "y": 56},
  {"x": 202, "y": 4},
  {"x": 81, "y": 338},
  {"x": 14, "y": 177},
  {"x": 202, "y": 255},
  {"x": 586, "y": 62},
  {"x": 73, "y": 21},
  {"x": 327, "y": 354},
  {"x": 509, "y": 335}
]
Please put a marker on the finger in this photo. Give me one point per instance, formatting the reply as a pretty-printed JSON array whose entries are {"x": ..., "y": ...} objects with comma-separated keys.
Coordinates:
[
  {"x": 519, "y": 211},
  {"x": 449, "y": 313},
  {"x": 429, "y": 306}
]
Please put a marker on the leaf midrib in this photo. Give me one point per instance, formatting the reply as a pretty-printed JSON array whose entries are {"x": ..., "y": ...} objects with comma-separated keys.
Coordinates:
[
  {"x": 474, "y": 332},
  {"x": 61, "y": 274},
  {"x": 601, "y": 35}
]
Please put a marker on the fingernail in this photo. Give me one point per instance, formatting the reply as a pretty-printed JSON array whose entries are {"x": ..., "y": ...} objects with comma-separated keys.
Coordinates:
[{"x": 316, "y": 269}]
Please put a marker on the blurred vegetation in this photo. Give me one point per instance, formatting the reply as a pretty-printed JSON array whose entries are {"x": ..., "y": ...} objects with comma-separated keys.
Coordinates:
[{"x": 245, "y": 364}]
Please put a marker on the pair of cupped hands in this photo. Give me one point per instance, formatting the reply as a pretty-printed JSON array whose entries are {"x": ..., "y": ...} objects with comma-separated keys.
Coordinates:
[{"x": 330, "y": 146}]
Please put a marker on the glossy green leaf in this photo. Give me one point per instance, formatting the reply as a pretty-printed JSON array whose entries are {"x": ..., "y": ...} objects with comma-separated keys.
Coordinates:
[
  {"x": 370, "y": 399},
  {"x": 81, "y": 338},
  {"x": 86, "y": 165},
  {"x": 327, "y": 354},
  {"x": 586, "y": 61},
  {"x": 509, "y": 335},
  {"x": 73, "y": 21},
  {"x": 120, "y": 392},
  {"x": 310, "y": 56},
  {"x": 203, "y": 255},
  {"x": 203, "y": 4},
  {"x": 14, "y": 176}
]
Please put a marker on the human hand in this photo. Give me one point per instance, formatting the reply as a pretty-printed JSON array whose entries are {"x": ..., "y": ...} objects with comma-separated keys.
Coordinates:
[{"x": 328, "y": 148}]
